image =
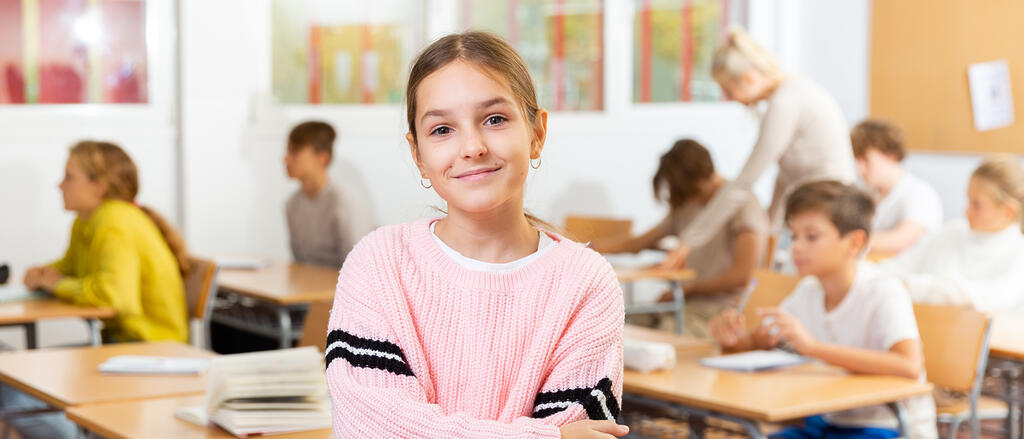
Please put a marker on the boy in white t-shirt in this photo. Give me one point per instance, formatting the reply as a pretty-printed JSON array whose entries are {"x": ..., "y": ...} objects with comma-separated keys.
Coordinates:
[
  {"x": 844, "y": 312},
  {"x": 907, "y": 207}
]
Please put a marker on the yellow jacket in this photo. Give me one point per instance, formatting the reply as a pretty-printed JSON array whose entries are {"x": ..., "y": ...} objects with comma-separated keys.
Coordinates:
[{"x": 118, "y": 258}]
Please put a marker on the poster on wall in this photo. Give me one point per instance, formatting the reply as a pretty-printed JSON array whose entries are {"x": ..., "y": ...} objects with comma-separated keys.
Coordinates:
[
  {"x": 73, "y": 52},
  {"x": 991, "y": 96},
  {"x": 343, "y": 51},
  {"x": 562, "y": 42},
  {"x": 673, "y": 45}
]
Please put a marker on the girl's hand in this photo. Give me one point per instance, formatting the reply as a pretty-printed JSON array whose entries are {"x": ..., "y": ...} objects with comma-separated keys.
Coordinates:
[
  {"x": 676, "y": 259},
  {"x": 728, "y": 328},
  {"x": 48, "y": 278},
  {"x": 32, "y": 277},
  {"x": 587, "y": 429},
  {"x": 785, "y": 326}
]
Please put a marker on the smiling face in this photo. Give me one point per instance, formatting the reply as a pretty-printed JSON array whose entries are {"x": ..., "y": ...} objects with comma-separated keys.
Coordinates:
[{"x": 473, "y": 142}]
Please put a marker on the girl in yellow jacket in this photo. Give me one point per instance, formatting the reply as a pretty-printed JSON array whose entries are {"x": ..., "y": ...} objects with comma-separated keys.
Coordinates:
[{"x": 120, "y": 255}]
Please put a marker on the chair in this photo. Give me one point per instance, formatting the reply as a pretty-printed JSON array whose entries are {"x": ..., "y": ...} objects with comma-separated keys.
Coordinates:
[
  {"x": 955, "y": 341},
  {"x": 769, "y": 252},
  {"x": 586, "y": 228},
  {"x": 200, "y": 289},
  {"x": 314, "y": 330},
  {"x": 769, "y": 290}
]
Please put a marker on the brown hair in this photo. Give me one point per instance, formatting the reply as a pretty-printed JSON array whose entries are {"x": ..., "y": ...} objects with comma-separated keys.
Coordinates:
[
  {"x": 681, "y": 170},
  {"x": 847, "y": 207},
  {"x": 318, "y": 135},
  {"x": 107, "y": 162},
  {"x": 1004, "y": 172},
  {"x": 878, "y": 134},
  {"x": 497, "y": 58}
]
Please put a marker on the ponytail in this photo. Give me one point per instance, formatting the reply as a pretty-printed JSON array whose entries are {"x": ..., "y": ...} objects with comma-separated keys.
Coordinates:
[
  {"x": 740, "y": 54},
  {"x": 171, "y": 236}
]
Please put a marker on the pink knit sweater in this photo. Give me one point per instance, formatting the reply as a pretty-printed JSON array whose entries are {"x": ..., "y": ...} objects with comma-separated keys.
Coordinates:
[{"x": 419, "y": 346}]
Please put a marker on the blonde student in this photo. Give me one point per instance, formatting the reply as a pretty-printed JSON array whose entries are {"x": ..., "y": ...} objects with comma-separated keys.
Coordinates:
[
  {"x": 979, "y": 262},
  {"x": 324, "y": 220},
  {"x": 844, "y": 312},
  {"x": 803, "y": 131},
  {"x": 686, "y": 180},
  {"x": 908, "y": 208},
  {"x": 120, "y": 255},
  {"x": 484, "y": 322}
]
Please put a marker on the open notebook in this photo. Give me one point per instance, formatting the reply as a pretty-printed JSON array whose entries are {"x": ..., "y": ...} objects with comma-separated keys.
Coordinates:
[
  {"x": 753, "y": 361},
  {"x": 264, "y": 393}
]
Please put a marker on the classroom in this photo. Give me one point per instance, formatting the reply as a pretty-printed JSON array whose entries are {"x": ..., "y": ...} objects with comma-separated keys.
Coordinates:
[{"x": 564, "y": 219}]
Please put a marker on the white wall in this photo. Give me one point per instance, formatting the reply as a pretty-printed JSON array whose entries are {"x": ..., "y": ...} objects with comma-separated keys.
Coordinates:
[{"x": 34, "y": 142}]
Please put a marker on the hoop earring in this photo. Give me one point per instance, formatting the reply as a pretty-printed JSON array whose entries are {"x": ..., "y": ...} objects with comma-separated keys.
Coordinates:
[
  {"x": 426, "y": 186},
  {"x": 538, "y": 163}
]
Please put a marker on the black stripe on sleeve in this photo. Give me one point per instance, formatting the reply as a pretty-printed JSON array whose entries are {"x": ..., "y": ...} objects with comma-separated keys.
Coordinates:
[{"x": 366, "y": 353}]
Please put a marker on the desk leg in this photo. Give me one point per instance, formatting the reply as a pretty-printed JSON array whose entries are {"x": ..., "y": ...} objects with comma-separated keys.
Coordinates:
[
  {"x": 1016, "y": 393},
  {"x": 680, "y": 300},
  {"x": 31, "y": 341},
  {"x": 95, "y": 338},
  {"x": 698, "y": 425},
  {"x": 901, "y": 417},
  {"x": 284, "y": 318}
]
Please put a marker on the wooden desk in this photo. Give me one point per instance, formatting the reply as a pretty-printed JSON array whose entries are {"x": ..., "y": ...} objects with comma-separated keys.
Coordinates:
[
  {"x": 774, "y": 396},
  {"x": 70, "y": 376},
  {"x": 283, "y": 287},
  {"x": 282, "y": 283},
  {"x": 1007, "y": 336},
  {"x": 675, "y": 278},
  {"x": 28, "y": 312},
  {"x": 635, "y": 274},
  {"x": 154, "y": 419}
]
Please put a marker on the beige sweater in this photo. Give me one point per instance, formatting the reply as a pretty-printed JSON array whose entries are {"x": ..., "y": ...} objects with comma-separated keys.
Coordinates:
[{"x": 804, "y": 131}]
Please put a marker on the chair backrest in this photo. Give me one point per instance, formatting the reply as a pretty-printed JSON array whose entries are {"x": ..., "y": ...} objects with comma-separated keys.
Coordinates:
[
  {"x": 955, "y": 341},
  {"x": 769, "y": 252},
  {"x": 199, "y": 285},
  {"x": 586, "y": 229},
  {"x": 771, "y": 289},
  {"x": 314, "y": 329}
]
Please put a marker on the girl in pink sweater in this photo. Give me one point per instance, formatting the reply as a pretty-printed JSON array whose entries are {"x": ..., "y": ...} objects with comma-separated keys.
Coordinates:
[{"x": 479, "y": 324}]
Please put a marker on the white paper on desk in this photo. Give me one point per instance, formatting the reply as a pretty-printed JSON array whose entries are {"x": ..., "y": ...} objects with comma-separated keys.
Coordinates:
[
  {"x": 17, "y": 292},
  {"x": 643, "y": 291},
  {"x": 754, "y": 361},
  {"x": 991, "y": 97},
  {"x": 643, "y": 259},
  {"x": 139, "y": 364}
]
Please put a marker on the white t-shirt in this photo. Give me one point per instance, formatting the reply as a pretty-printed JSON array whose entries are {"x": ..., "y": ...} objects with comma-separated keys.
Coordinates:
[
  {"x": 911, "y": 199},
  {"x": 875, "y": 314},
  {"x": 544, "y": 244},
  {"x": 959, "y": 266}
]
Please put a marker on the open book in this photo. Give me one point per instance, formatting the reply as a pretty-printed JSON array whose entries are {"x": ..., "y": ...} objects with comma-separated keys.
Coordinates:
[{"x": 264, "y": 393}]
